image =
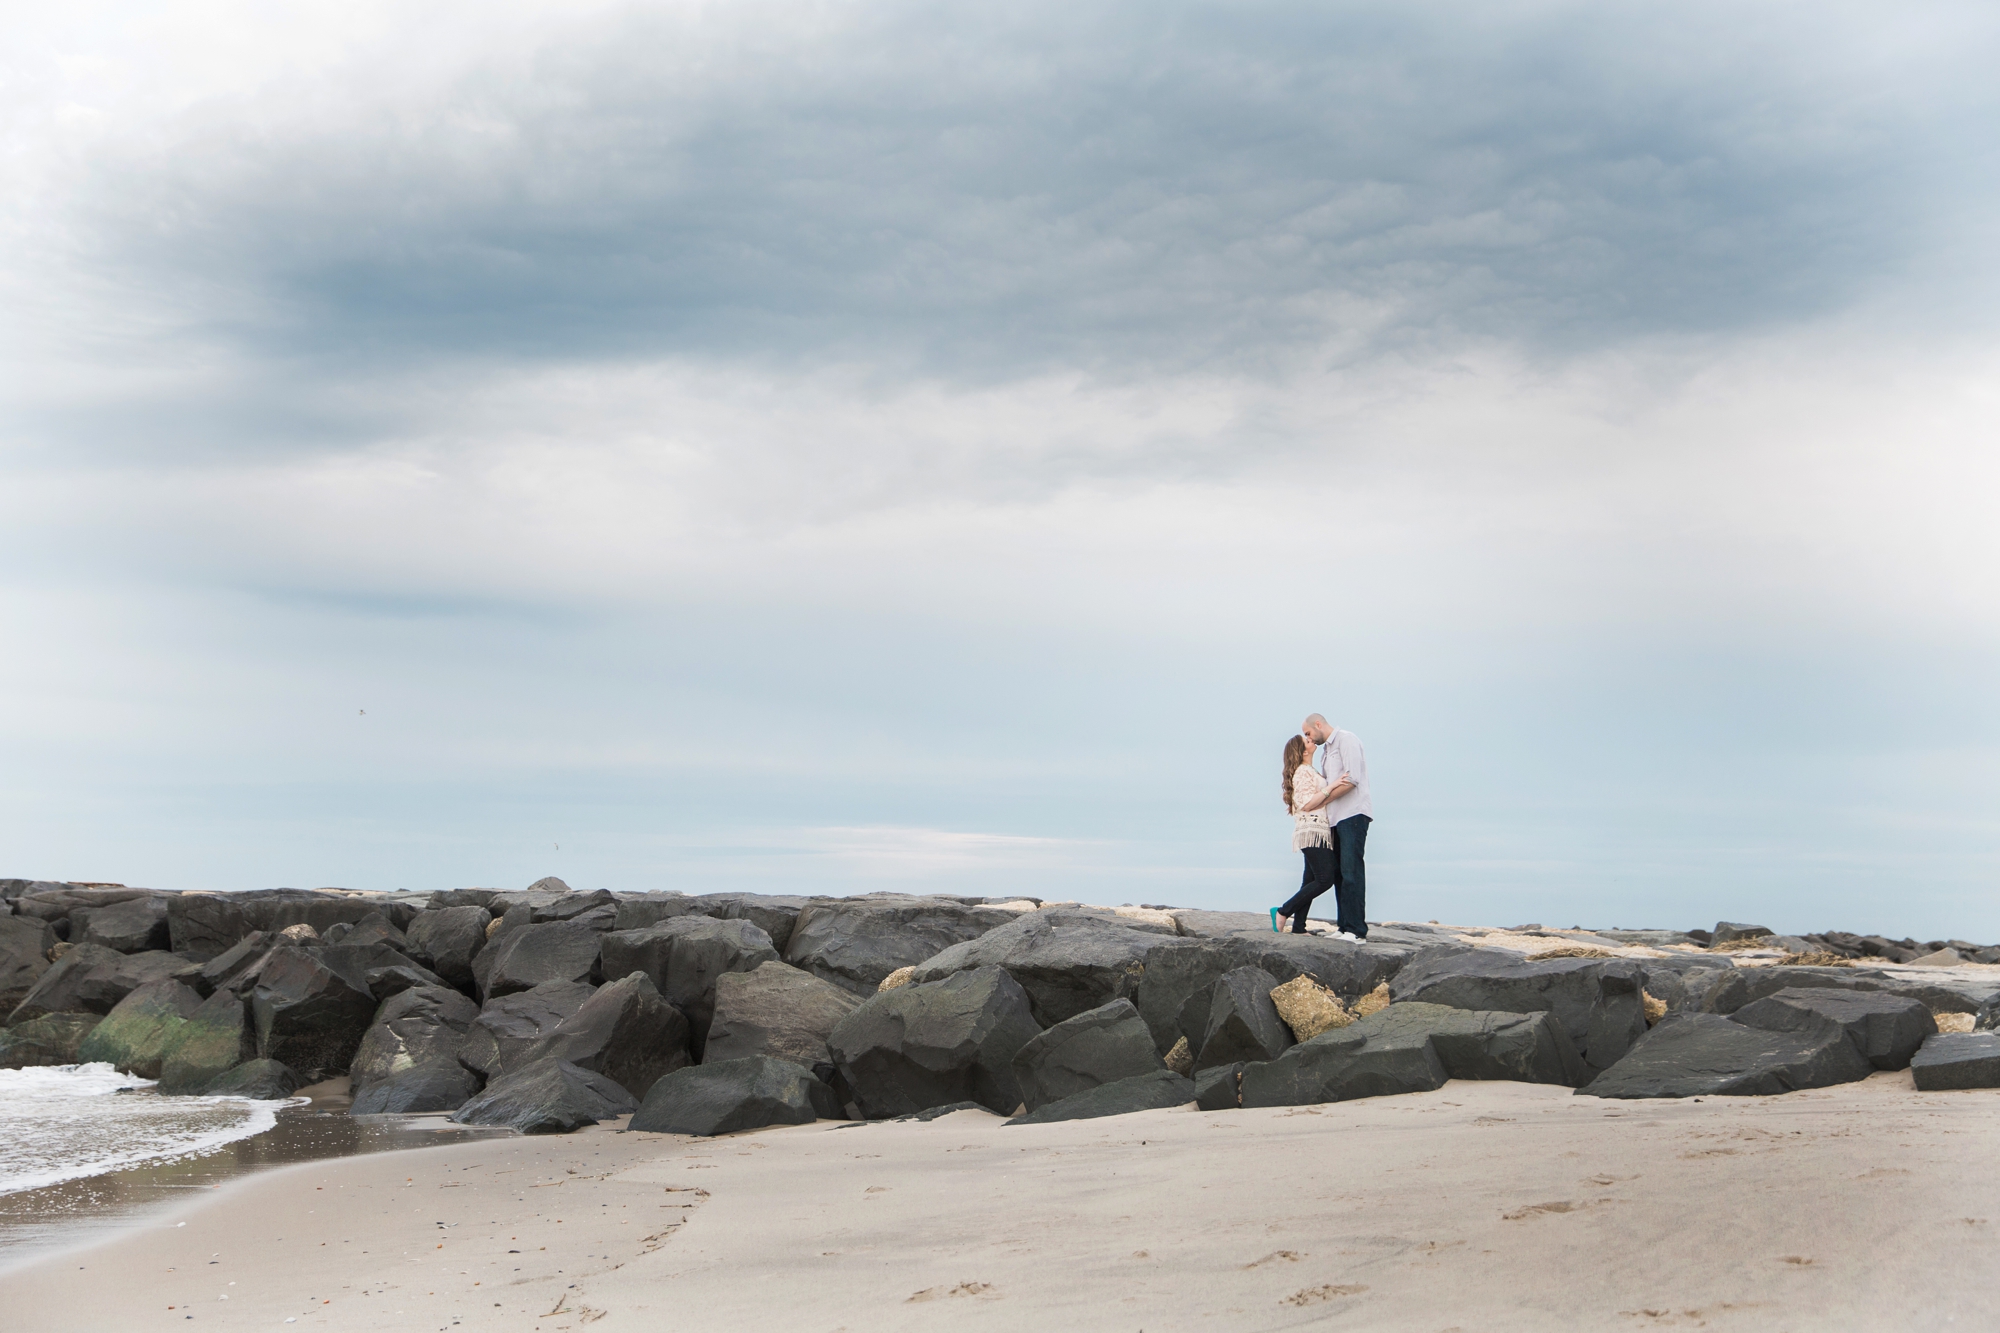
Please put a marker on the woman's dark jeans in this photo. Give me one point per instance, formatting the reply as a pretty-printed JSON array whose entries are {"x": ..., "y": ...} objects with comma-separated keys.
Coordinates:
[{"x": 1322, "y": 863}]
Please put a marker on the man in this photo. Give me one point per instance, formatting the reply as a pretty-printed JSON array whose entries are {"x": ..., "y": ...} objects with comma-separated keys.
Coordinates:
[{"x": 1350, "y": 812}]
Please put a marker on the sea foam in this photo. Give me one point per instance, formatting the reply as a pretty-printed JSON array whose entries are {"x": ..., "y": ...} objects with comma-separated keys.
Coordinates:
[{"x": 72, "y": 1121}]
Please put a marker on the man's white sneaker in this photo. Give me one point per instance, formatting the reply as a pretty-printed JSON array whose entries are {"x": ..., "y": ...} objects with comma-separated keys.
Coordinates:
[{"x": 1344, "y": 935}]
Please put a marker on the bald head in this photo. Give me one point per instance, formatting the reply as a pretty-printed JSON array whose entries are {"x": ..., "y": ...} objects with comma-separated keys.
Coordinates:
[{"x": 1315, "y": 729}]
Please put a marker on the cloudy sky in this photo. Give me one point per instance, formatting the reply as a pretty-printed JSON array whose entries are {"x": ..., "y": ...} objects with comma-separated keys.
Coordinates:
[{"x": 819, "y": 447}]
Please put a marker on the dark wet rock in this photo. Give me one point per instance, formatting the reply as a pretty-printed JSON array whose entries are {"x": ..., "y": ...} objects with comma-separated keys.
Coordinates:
[
  {"x": 498, "y": 1040},
  {"x": 1705, "y": 1055},
  {"x": 447, "y": 939},
  {"x": 259, "y": 1080},
  {"x": 133, "y": 925},
  {"x": 310, "y": 1012},
  {"x": 1472, "y": 1044},
  {"x": 1067, "y": 960},
  {"x": 625, "y": 1032},
  {"x": 24, "y": 956},
  {"x": 1098, "y": 1046},
  {"x": 482, "y": 898},
  {"x": 684, "y": 956},
  {"x": 732, "y": 1095},
  {"x": 639, "y": 911},
  {"x": 591, "y": 908},
  {"x": 1887, "y": 1029},
  {"x": 1583, "y": 994},
  {"x": 775, "y": 1010},
  {"x": 91, "y": 979},
  {"x": 527, "y": 956},
  {"x": 424, "y": 1025},
  {"x": 216, "y": 1039},
  {"x": 936, "y": 1042},
  {"x": 136, "y": 1035},
  {"x": 1183, "y": 970},
  {"x": 1219, "y": 1087},
  {"x": 1952, "y": 1060},
  {"x": 855, "y": 943},
  {"x": 52, "y": 1039},
  {"x": 1242, "y": 1023},
  {"x": 776, "y": 915},
  {"x": 419, "y": 1089},
  {"x": 1727, "y": 931},
  {"x": 204, "y": 925},
  {"x": 546, "y": 1097},
  {"x": 1156, "y": 1090},
  {"x": 1343, "y": 1064}
]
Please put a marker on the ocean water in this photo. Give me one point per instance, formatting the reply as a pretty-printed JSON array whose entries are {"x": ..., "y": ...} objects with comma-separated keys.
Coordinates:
[{"x": 74, "y": 1121}]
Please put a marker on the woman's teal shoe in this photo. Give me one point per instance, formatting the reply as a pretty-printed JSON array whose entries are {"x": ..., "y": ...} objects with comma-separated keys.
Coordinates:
[{"x": 1274, "y": 921}]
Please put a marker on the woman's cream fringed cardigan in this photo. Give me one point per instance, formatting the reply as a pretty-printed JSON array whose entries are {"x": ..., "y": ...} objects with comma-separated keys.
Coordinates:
[{"x": 1309, "y": 827}]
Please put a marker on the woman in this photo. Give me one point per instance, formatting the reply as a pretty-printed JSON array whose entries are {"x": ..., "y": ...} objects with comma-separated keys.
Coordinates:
[{"x": 1306, "y": 794}]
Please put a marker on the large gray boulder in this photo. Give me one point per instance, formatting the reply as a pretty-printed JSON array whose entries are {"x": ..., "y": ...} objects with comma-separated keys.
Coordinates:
[
  {"x": 1942, "y": 992},
  {"x": 383, "y": 969},
  {"x": 934, "y": 1043},
  {"x": 1154, "y": 1090},
  {"x": 625, "y": 1032},
  {"x": 776, "y": 915},
  {"x": 1241, "y": 1023},
  {"x": 1180, "y": 970},
  {"x": 216, "y": 1038},
  {"x": 1473, "y": 1044},
  {"x": 447, "y": 939},
  {"x": 732, "y": 1095},
  {"x": 1952, "y": 1060},
  {"x": 375, "y": 928},
  {"x": 206, "y": 924},
  {"x": 136, "y": 1035},
  {"x": 1343, "y": 1064},
  {"x": 775, "y": 1010},
  {"x": 546, "y": 1097},
  {"x": 1729, "y": 931},
  {"x": 1594, "y": 999},
  {"x": 498, "y": 1040},
  {"x": 1067, "y": 960},
  {"x": 417, "y": 1090},
  {"x": 91, "y": 979},
  {"x": 855, "y": 943},
  {"x": 685, "y": 956},
  {"x": 1099, "y": 1046},
  {"x": 309, "y": 1015},
  {"x": 66, "y": 906},
  {"x": 1706, "y": 1055},
  {"x": 131, "y": 926},
  {"x": 52, "y": 1039},
  {"x": 424, "y": 1025},
  {"x": 523, "y": 957},
  {"x": 25, "y": 942},
  {"x": 1218, "y": 1088},
  {"x": 1887, "y": 1029}
]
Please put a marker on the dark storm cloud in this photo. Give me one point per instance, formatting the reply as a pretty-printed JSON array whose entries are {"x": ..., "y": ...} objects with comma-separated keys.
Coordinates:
[{"x": 1124, "y": 189}]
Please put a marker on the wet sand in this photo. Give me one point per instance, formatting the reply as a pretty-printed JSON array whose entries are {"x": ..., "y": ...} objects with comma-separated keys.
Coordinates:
[
  {"x": 76, "y": 1212},
  {"x": 1480, "y": 1206}
]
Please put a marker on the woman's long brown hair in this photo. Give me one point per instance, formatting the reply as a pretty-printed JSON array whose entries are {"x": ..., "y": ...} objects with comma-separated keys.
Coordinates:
[{"x": 1297, "y": 751}]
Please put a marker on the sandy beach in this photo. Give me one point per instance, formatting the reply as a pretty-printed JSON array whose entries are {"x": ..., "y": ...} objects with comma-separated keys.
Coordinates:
[{"x": 1479, "y": 1206}]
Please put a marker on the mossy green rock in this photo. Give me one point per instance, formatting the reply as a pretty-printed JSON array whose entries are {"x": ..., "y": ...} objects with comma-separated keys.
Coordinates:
[
  {"x": 136, "y": 1035},
  {"x": 52, "y": 1039},
  {"x": 213, "y": 1041}
]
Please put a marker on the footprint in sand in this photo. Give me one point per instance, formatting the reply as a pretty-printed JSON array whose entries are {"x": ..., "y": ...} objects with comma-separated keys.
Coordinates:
[
  {"x": 1328, "y": 1292},
  {"x": 984, "y": 1290}
]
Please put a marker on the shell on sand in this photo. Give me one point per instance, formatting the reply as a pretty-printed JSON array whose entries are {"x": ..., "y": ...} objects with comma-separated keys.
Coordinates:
[
  {"x": 898, "y": 979},
  {"x": 1180, "y": 1059},
  {"x": 1309, "y": 1008},
  {"x": 1374, "y": 1002},
  {"x": 1953, "y": 1022}
]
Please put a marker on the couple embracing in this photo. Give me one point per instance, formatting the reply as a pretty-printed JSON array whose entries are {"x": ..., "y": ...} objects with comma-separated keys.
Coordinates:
[{"x": 1327, "y": 796}]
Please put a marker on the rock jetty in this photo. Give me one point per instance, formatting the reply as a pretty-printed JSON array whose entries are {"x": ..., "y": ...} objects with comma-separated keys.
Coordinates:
[{"x": 546, "y": 1009}]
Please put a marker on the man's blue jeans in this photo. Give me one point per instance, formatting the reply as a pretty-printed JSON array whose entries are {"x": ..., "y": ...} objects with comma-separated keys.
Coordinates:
[{"x": 1350, "y": 875}]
